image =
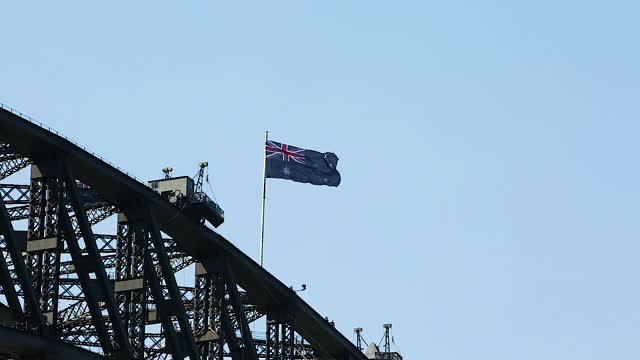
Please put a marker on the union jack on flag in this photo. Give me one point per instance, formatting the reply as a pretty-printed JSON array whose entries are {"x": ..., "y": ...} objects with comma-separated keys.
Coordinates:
[{"x": 284, "y": 152}]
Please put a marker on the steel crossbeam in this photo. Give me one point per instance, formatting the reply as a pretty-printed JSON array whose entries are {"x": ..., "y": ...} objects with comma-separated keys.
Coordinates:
[
  {"x": 18, "y": 212},
  {"x": 155, "y": 347},
  {"x": 97, "y": 209},
  {"x": 13, "y": 194}
]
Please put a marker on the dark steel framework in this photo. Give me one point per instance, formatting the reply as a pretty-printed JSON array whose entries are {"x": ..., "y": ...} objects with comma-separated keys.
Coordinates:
[{"x": 117, "y": 294}]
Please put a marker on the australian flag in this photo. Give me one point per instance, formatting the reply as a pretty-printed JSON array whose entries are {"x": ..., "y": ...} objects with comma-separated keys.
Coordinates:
[{"x": 307, "y": 166}]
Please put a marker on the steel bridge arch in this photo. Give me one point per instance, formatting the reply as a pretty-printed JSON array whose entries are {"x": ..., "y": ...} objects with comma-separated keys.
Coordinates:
[{"x": 221, "y": 264}]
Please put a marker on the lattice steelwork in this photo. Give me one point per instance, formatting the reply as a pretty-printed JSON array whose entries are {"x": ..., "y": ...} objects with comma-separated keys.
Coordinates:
[
  {"x": 10, "y": 161},
  {"x": 116, "y": 293},
  {"x": 288, "y": 337},
  {"x": 13, "y": 194},
  {"x": 273, "y": 347},
  {"x": 220, "y": 312},
  {"x": 8, "y": 277},
  {"x": 281, "y": 339},
  {"x": 131, "y": 294},
  {"x": 176, "y": 326},
  {"x": 44, "y": 242},
  {"x": 208, "y": 305}
]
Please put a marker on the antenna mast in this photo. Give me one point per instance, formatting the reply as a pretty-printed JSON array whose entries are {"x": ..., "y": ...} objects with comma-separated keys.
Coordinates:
[{"x": 198, "y": 187}]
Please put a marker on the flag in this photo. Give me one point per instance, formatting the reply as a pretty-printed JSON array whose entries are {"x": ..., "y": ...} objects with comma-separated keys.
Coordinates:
[{"x": 301, "y": 165}]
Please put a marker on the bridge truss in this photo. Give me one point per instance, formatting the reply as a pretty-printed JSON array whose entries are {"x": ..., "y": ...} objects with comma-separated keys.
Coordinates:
[{"x": 67, "y": 289}]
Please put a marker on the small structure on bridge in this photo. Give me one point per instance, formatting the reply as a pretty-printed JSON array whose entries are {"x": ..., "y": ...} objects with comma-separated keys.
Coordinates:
[{"x": 187, "y": 194}]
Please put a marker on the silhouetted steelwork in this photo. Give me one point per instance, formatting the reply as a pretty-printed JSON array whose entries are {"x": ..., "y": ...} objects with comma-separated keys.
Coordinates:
[
  {"x": 11, "y": 161},
  {"x": 116, "y": 294}
]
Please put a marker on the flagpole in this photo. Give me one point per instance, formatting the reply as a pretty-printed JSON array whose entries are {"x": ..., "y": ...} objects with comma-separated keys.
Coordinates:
[{"x": 264, "y": 197}]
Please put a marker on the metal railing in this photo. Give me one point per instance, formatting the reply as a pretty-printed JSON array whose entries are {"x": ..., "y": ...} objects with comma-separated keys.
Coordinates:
[
  {"x": 18, "y": 325},
  {"x": 56, "y": 132}
]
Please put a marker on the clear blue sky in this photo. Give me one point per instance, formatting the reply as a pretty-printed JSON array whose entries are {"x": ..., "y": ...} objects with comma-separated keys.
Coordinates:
[{"x": 488, "y": 151}]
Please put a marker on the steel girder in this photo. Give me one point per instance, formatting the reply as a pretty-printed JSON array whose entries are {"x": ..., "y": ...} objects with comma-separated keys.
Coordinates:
[
  {"x": 95, "y": 213},
  {"x": 18, "y": 344}
]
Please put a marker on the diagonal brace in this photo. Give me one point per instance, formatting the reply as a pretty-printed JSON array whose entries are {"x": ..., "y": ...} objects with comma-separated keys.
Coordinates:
[
  {"x": 31, "y": 300},
  {"x": 93, "y": 255},
  {"x": 85, "y": 282},
  {"x": 238, "y": 308},
  {"x": 165, "y": 266},
  {"x": 156, "y": 290}
]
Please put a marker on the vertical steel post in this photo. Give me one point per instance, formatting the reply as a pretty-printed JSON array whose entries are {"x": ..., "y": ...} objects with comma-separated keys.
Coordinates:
[
  {"x": 288, "y": 338},
  {"x": 201, "y": 313},
  {"x": 208, "y": 307},
  {"x": 280, "y": 334},
  {"x": 273, "y": 338},
  {"x": 130, "y": 292},
  {"x": 44, "y": 243}
]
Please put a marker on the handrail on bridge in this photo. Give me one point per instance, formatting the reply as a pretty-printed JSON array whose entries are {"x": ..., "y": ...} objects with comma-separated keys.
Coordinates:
[{"x": 50, "y": 129}]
